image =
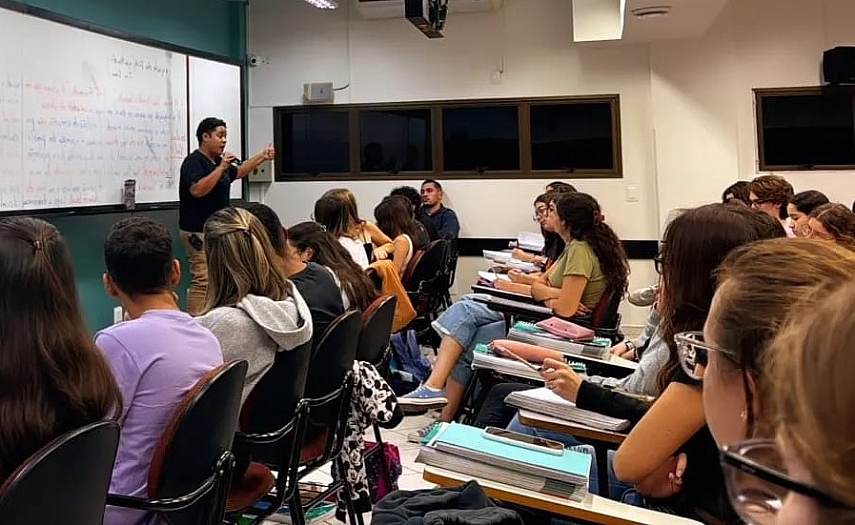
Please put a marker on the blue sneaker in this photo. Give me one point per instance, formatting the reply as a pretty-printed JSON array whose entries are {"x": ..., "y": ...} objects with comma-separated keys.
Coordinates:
[{"x": 424, "y": 396}]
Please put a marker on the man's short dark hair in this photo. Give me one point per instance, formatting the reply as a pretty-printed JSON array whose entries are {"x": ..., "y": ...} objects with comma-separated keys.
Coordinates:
[
  {"x": 138, "y": 255},
  {"x": 435, "y": 183},
  {"x": 267, "y": 217},
  {"x": 409, "y": 193},
  {"x": 208, "y": 125}
]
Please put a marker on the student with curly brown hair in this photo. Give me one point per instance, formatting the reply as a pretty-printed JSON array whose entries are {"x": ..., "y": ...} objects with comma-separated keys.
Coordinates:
[
  {"x": 771, "y": 194},
  {"x": 593, "y": 264},
  {"x": 832, "y": 222}
]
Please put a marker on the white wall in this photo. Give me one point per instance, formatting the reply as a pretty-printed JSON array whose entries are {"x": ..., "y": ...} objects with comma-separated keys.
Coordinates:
[
  {"x": 703, "y": 105},
  {"x": 687, "y": 112}
]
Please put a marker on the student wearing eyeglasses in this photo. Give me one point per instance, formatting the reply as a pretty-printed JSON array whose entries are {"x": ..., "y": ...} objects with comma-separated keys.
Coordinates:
[
  {"x": 771, "y": 194},
  {"x": 759, "y": 287}
]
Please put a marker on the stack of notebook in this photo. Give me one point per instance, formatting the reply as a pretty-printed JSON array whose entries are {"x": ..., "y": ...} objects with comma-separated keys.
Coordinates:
[
  {"x": 598, "y": 348},
  {"x": 530, "y": 242},
  {"x": 462, "y": 448},
  {"x": 545, "y": 401}
]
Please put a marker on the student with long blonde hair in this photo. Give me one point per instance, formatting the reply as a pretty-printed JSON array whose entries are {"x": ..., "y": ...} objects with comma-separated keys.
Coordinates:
[
  {"x": 52, "y": 377},
  {"x": 251, "y": 307},
  {"x": 806, "y": 475}
]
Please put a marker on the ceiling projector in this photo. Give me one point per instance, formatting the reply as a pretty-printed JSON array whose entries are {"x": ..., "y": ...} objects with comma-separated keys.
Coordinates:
[{"x": 427, "y": 15}]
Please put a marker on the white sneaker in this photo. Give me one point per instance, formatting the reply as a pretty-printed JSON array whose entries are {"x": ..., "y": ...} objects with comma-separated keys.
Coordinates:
[{"x": 644, "y": 296}]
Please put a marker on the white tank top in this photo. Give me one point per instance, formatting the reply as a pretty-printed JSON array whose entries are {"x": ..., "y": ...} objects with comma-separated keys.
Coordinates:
[{"x": 356, "y": 251}]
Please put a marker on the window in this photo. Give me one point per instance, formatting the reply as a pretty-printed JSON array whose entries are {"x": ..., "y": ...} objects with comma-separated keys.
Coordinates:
[
  {"x": 459, "y": 139},
  {"x": 315, "y": 142},
  {"x": 481, "y": 138},
  {"x": 806, "y": 129},
  {"x": 572, "y": 137},
  {"x": 393, "y": 141}
]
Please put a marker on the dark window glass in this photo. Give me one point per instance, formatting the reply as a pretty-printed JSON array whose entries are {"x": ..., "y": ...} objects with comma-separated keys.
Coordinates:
[
  {"x": 808, "y": 130},
  {"x": 395, "y": 140},
  {"x": 572, "y": 136},
  {"x": 315, "y": 141},
  {"x": 482, "y": 138}
]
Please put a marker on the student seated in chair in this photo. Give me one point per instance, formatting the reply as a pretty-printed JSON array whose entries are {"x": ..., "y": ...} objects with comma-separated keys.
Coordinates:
[
  {"x": 395, "y": 220},
  {"x": 252, "y": 308},
  {"x": 54, "y": 379},
  {"x": 593, "y": 263},
  {"x": 156, "y": 356},
  {"x": 313, "y": 243},
  {"x": 314, "y": 282}
]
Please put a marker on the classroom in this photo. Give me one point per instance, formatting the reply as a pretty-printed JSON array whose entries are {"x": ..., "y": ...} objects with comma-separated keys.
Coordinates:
[{"x": 458, "y": 261}]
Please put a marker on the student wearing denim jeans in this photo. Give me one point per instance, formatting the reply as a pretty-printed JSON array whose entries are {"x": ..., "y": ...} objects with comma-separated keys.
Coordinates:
[{"x": 592, "y": 263}]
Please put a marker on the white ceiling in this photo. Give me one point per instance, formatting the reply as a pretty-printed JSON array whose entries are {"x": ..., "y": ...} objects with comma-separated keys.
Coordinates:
[{"x": 688, "y": 18}]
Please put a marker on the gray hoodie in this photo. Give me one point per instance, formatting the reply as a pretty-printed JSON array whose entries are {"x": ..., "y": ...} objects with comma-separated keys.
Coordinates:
[{"x": 258, "y": 327}]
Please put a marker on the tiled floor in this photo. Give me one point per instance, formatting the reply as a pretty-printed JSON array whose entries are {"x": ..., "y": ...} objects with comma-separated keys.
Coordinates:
[{"x": 410, "y": 479}]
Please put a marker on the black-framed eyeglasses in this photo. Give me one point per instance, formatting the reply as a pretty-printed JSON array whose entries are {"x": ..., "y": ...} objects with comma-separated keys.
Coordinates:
[
  {"x": 657, "y": 264},
  {"x": 757, "y": 202},
  {"x": 757, "y": 483},
  {"x": 694, "y": 353}
]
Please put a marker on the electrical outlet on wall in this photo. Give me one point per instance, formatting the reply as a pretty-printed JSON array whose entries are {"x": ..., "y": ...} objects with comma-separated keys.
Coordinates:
[{"x": 118, "y": 314}]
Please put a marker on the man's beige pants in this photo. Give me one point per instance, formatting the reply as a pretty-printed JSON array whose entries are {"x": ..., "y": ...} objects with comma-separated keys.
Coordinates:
[{"x": 198, "y": 273}]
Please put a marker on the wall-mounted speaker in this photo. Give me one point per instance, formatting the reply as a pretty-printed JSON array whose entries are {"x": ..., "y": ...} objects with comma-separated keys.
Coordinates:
[{"x": 838, "y": 65}]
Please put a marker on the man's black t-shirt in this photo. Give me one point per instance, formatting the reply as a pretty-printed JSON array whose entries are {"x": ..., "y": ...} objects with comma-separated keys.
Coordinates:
[
  {"x": 317, "y": 286},
  {"x": 194, "y": 211}
]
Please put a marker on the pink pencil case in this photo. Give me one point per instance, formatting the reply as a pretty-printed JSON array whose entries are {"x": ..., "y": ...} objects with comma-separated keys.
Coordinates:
[{"x": 566, "y": 329}]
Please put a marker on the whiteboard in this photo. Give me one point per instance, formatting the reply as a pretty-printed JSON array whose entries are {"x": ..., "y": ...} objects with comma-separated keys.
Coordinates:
[
  {"x": 215, "y": 91},
  {"x": 81, "y": 112}
]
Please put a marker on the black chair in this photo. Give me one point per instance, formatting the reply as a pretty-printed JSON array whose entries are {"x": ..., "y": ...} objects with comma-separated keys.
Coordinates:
[
  {"x": 188, "y": 480},
  {"x": 328, "y": 393},
  {"x": 427, "y": 280},
  {"x": 374, "y": 348},
  {"x": 272, "y": 420},
  {"x": 50, "y": 487}
]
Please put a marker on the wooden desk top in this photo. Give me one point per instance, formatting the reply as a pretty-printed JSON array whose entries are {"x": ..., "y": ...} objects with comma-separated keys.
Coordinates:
[
  {"x": 542, "y": 421},
  {"x": 593, "y": 508}
]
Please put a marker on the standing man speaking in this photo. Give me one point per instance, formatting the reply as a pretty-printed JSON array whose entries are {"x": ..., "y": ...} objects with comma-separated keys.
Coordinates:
[{"x": 206, "y": 175}]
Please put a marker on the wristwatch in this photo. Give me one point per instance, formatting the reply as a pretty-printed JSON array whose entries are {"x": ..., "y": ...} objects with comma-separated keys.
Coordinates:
[{"x": 630, "y": 346}]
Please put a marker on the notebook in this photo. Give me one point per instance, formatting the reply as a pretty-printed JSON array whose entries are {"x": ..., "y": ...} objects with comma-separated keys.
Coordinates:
[
  {"x": 483, "y": 358},
  {"x": 545, "y": 401},
  {"x": 492, "y": 276},
  {"x": 467, "y": 441},
  {"x": 530, "y": 241}
]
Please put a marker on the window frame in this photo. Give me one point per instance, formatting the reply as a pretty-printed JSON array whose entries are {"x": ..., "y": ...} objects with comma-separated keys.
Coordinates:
[
  {"x": 437, "y": 154},
  {"x": 761, "y": 93}
]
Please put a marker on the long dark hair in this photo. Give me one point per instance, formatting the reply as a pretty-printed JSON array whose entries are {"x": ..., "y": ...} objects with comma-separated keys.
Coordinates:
[
  {"x": 52, "y": 377},
  {"x": 553, "y": 244},
  {"x": 694, "y": 245},
  {"x": 581, "y": 213},
  {"x": 394, "y": 217},
  {"x": 327, "y": 251}
]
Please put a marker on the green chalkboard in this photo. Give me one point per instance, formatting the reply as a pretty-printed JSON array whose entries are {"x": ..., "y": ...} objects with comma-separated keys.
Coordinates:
[{"x": 85, "y": 237}]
